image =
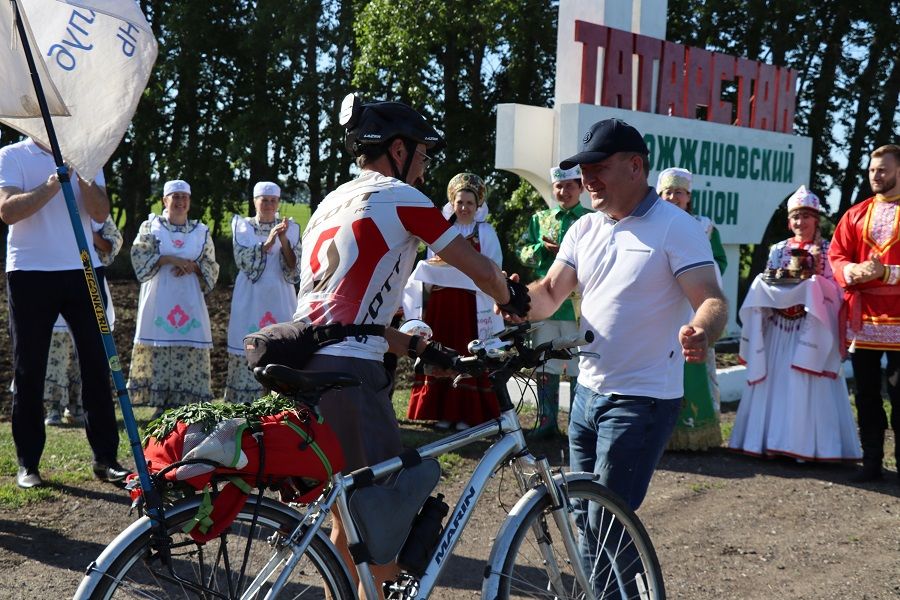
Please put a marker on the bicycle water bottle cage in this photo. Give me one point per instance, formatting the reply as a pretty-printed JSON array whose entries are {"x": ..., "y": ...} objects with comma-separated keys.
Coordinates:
[{"x": 384, "y": 513}]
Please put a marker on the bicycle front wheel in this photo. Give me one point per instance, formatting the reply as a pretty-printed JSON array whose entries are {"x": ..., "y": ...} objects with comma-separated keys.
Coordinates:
[
  {"x": 614, "y": 548},
  {"x": 221, "y": 568}
]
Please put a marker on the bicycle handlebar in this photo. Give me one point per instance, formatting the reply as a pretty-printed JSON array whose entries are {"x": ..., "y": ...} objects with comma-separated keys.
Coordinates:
[{"x": 508, "y": 350}]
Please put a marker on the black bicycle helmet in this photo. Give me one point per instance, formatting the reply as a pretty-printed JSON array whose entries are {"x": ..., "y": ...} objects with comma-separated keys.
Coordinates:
[{"x": 376, "y": 123}]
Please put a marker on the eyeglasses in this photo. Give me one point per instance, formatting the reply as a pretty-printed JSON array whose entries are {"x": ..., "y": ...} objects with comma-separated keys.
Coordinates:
[{"x": 426, "y": 160}]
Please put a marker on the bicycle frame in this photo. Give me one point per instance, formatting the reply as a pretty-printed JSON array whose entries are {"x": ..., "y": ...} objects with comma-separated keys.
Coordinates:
[{"x": 510, "y": 445}]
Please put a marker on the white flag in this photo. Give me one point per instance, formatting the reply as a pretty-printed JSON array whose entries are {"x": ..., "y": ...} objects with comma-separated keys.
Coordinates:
[
  {"x": 17, "y": 97},
  {"x": 100, "y": 65}
]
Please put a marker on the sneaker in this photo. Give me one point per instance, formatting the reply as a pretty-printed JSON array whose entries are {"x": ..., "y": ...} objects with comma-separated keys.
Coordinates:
[
  {"x": 462, "y": 426},
  {"x": 53, "y": 418},
  {"x": 28, "y": 478},
  {"x": 73, "y": 416},
  {"x": 442, "y": 425}
]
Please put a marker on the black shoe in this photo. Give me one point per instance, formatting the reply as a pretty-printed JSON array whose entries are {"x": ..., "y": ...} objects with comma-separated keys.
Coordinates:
[
  {"x": 867, "y": 474},
  {"x": 112, "y": 472},
  {"x": 28, "y": 478}
]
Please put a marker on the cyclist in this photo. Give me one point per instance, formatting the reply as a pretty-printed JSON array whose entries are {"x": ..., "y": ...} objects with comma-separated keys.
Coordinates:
[{"x": 358, "y": 252}]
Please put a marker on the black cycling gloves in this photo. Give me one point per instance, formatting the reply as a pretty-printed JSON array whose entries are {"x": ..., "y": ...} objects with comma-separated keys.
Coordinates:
[
  {"x": 519, "y": 301},
  {"x": 436, "y": 355}
]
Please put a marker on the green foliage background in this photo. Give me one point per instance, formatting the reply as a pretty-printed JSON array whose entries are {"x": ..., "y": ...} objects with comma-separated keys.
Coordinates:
[{"x": 245, "y": 90}]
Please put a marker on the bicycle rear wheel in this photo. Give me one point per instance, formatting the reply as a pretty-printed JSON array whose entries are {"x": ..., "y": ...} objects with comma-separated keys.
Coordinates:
[
  {"x": 220, "y": 568},
  {"x": 615, "y": 549}
]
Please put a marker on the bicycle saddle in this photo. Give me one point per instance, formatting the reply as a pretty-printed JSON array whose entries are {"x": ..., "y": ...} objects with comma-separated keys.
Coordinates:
[{"x": 293, "y": 382}]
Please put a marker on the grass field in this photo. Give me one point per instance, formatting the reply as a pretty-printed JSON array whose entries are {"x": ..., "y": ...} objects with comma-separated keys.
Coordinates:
[
  {"x": 299, "y": 212},
  {"x": 67, "y": 457}
]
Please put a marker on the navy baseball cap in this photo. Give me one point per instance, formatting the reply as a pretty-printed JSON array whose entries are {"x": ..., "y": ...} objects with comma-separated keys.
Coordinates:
[{"x": 604, "y": 139}]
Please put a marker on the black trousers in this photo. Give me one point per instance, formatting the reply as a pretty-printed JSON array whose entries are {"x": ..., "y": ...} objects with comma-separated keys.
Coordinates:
[
  {"x": 869, "y": 404},
  {"x": 36, "y": 298}
]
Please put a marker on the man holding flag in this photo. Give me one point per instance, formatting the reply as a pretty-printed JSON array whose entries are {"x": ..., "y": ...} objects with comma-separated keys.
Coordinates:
[
  {"x": 99, "y": 55},
  {"x": 44, "y": 279}
]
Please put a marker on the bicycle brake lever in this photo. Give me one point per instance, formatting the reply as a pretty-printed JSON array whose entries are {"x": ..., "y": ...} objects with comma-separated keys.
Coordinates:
[{"x": 459, "y": 378}]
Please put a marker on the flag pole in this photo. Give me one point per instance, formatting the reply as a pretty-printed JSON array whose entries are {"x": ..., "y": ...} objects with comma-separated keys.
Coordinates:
[{"x": 152, "y": 501}]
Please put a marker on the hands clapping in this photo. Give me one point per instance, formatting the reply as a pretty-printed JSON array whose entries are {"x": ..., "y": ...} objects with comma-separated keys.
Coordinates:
[{"x": 279, "y": 231}]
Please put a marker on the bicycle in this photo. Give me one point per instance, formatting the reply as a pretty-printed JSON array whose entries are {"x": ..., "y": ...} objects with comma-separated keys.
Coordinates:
[{"x": 567, "y": 536}]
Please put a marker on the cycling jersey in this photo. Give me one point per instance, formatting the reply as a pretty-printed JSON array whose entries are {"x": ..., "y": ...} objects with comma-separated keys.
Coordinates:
[{"x": 358, "y": 252}]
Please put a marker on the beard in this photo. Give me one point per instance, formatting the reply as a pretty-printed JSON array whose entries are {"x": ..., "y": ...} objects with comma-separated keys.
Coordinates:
[{"x": 884, "y": 186}]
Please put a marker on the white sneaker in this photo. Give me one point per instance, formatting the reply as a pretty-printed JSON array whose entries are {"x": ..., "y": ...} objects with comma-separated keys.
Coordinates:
[
  {"x": 53, "y": 418},
  {"x": 462, "y": 426},
  {"x": 442, "y": 425}
]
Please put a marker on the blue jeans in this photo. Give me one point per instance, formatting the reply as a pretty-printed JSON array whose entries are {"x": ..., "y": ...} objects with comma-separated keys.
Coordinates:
[{"x": 620, "y": 438}]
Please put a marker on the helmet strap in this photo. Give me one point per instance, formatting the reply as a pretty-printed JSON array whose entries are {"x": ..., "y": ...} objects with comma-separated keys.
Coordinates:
[{"x": 410, "y": 154}]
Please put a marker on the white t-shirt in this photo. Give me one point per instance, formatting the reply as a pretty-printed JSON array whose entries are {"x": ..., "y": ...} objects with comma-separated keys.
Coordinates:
[
  {"x": 631, "y": 300},
  {"x": 358, "y": 251},
  {"x": 45, "y": 240}
]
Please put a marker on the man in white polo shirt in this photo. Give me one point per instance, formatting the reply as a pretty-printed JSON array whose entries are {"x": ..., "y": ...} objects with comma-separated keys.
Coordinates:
[
  {"x": 45, "y": 279},
  {"x": 641, "y": 265}
]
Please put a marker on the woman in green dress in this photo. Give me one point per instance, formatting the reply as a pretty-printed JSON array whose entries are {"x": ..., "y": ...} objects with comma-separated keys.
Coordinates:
[{"x": 697, "y": 427}]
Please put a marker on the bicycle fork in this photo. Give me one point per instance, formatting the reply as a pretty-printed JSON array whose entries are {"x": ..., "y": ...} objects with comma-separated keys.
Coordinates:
[{"x": 561, "y": 510}]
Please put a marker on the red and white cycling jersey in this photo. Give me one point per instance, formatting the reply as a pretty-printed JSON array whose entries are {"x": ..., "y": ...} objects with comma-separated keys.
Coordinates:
[{"x": 358, "y": 252}]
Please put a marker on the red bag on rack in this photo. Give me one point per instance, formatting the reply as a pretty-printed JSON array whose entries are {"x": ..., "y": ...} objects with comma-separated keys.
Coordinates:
[{"x": 300, "y": 453}]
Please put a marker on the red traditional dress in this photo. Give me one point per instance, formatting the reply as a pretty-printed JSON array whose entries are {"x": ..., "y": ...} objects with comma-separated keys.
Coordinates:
[
  {"x": 456, "y": 318},
  {"x": 871, "y": 315}
]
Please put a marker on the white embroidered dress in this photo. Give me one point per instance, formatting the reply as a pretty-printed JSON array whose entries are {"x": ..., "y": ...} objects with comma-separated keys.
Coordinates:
[
  {"x": 172, "y": 310},
  {"x": 264, "y": 294}
]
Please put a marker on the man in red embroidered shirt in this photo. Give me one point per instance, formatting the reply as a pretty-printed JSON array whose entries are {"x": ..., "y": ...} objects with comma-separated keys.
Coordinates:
[
  {"x": 358, "y": 252},
  {"x": 865, "y": 258}
]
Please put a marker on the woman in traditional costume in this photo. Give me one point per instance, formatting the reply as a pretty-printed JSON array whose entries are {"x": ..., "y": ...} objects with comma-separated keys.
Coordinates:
[
  {"x": 457, "y": 312},
  {"x": 266, "y": 252},
  {"x": 796, "y": 402},
  {"x": 697, "y": 427},
  {"x": 175, "y": 261}
]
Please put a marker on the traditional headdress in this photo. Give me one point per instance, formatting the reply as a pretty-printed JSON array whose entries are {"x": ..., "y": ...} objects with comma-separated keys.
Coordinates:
[
  {"x": 266, "y": 188},
  {"x": 557, "y": 174},
  {"x": 176, "y": 185},
  {"x": 467, "y": 181},
  {"x": 674, "y": 178},
  {"x": 803, "y": 198}
]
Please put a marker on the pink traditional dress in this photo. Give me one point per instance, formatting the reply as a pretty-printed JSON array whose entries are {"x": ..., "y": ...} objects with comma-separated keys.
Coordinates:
[
  {"x": 264, "y": 294},
  {"x": 170, "y": 360},
  {"x": 796, "y": 402}
]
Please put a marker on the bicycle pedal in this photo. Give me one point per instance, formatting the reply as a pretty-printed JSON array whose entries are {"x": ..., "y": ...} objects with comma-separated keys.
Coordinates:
[{"x": 405, "y": 588}]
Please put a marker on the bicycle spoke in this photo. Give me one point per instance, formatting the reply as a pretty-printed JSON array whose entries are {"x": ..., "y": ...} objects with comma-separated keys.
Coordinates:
[
  {"x": 240, "y": 563},
  {"x": 613, "y": 550}
]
